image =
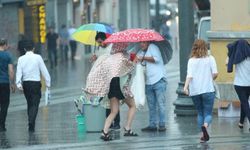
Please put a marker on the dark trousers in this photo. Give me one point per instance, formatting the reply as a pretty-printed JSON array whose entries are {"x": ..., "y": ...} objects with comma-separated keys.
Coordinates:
[
  {"x": 64, "y": 52},
  {"x": 4, "y": 102},
  {"x": 116, "y": 120},
  {"x": 52, "y": 57},
  {"x": 73, "y": 46},
  {"x": 243, "y": 94},
  {"x": 32, "y": 93}
]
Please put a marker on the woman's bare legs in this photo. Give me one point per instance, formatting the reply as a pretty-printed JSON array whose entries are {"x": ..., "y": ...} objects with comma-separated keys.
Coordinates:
[
  {"x": 114, "y": 106},
  {"x": 131, "y": 112}
]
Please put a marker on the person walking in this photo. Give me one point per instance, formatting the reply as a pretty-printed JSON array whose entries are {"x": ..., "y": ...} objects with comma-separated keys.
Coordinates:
[
  {"x": 20, "y": 48},
  {"x": 52, "y": 43},
  {"x": 30, "y": 67},
  {"x": 64, "y": 42},
  {"x": 156, "y": 85},
  {"x": 201, "y": 71},
  {"x": 6, "y": 82},
  {"x": 72, "y": 42},
  {"x": 239, "y": 55}
]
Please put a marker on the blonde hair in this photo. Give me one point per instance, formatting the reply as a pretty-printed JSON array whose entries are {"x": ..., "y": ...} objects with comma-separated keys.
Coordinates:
[{"x": 199, "y": 49}]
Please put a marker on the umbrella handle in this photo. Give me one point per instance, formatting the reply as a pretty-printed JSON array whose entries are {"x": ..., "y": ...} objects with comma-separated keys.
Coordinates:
[
  {"x": 95, "y": 48},
  {"x": 143, "y": 57}
]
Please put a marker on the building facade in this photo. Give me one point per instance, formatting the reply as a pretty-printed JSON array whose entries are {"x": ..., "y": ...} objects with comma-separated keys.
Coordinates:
[{"x": 229, "y": 22}]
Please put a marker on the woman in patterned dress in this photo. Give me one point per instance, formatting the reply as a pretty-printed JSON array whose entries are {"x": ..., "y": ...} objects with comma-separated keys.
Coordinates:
[{"x": 105, "y": 79}]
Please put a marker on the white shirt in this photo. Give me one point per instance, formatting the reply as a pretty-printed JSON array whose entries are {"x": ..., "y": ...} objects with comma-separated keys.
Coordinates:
[
  {"x": 242, "y": 73},
  {"x": 154, "y": 71},
  {"x": 71, "y": 31},
  {"x": 201, "y": 71},
  {"x": 30, "y": 67}
]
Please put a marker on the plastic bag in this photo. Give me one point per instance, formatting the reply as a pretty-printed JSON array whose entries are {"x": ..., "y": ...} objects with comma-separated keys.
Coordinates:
[
  {"x": 138, "y": 86},
  {"x": 47, "y": 96}
]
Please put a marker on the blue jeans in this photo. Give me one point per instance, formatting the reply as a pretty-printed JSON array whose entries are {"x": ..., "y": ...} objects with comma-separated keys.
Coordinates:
[
  {"x": 156, "y": 97},
  {"x": 204, "y": 106}
]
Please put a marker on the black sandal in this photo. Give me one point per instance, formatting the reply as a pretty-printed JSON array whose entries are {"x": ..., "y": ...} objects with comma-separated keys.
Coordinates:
[
  {"x": 129, "y": 133},
  {"x": 106, "y": 136}
]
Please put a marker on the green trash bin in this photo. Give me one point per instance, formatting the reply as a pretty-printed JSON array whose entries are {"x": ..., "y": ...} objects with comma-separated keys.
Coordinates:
[{"x": 95, "y": 116}]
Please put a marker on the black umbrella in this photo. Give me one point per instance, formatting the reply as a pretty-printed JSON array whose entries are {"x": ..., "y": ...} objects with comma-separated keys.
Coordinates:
[{"x": 164, "y": 47}]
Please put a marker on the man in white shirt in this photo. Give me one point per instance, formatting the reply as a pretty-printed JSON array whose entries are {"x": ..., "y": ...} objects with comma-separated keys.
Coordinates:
[
  {"x": 156, "y": 85},
  {"x": 28, "y": 78}
]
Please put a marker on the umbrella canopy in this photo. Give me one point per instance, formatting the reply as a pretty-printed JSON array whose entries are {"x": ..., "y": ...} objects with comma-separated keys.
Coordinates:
[
  {"x": 134, "y": 35},
  {"x": 86, "y": 33},
  {"x": 165, "y": 49}
]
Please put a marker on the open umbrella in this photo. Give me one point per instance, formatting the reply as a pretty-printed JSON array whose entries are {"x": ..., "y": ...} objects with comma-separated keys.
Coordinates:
[
  {"x": 134, "y": 35},
  {"x": 86, "y": 33},
  {"x": 141, "y": 35},
  {"x": 165, "y": 49}
]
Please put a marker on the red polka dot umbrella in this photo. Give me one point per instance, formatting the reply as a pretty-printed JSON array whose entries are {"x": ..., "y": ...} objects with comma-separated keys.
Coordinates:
[{"x": 134, "y": 35}]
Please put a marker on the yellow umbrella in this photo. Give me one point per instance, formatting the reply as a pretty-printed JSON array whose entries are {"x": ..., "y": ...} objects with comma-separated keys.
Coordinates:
[{"x": 86, "y": 33}]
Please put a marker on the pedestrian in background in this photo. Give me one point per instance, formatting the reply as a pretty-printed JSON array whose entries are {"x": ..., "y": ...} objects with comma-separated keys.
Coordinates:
[
  {"x": 30, "y": 67},
  {"x": 64, "y": 42},
  {"x": 20, "y": 48},
  {"x": 6, "y": 82},
  {"x": 239, "y": 54},
  {"x": 156, "y": 84},
  {"x": 72, "y": 42},
  {"x": 201, "y": 71},
  {"x": 52, "y": 43}
]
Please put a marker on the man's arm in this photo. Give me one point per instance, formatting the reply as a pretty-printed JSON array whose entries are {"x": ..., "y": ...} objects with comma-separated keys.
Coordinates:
[
  {"x": 11, "y": 76},
  {"x": 185, "y": 89},
  {"x": 57, "y": 42},
  {"x": 19, "y": 76},
  {"x": 44, "y": 72},
  {"x": 149, "y": 59}
]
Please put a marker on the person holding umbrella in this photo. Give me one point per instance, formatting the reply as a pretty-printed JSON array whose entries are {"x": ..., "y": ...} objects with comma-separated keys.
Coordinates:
[
  {"x": 156, "y": 52},
  {"x": 156, "y": 85}
]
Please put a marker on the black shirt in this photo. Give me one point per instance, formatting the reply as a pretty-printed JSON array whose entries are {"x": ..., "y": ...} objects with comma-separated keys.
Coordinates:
[{"x": 51, "y": 40}]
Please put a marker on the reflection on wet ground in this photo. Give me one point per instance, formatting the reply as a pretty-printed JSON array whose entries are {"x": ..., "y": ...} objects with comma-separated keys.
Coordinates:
[{"x": 56, "y": 126}]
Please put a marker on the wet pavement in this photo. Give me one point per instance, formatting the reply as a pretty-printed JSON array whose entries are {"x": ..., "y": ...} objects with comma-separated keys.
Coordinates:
[{"x": 56, "y": 126}]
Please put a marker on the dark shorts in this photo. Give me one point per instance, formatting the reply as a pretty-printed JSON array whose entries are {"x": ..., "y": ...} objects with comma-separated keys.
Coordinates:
[{"x": 115, "y": 90}]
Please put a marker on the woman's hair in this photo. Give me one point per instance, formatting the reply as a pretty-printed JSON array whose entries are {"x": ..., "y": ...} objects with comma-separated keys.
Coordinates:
[
  {"x": 199, "y": 49},
  {"x": 118, "y": 47},
  {"x": 3, "y": 41}
]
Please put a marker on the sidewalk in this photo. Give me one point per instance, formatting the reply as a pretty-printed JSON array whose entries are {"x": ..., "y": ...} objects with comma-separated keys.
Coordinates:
[{"x": 56, "y": 126}]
